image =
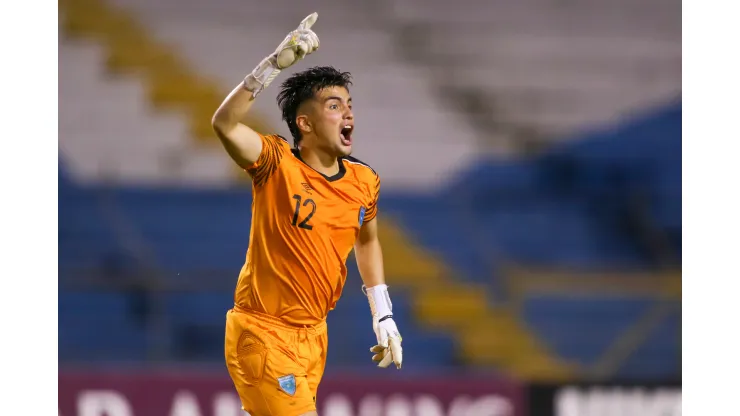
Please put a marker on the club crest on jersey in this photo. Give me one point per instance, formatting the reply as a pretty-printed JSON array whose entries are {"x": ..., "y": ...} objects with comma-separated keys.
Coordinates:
[
  {"x": 362, "y": 215},
  {"x": 287, "y": 383}
]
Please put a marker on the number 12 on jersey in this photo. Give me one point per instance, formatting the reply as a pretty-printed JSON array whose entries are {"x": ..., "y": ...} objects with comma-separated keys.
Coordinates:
[{"x": 303, "y": 224}]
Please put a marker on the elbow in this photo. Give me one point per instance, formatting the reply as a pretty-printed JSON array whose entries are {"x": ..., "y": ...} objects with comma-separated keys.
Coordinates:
[
  {"x": 223, "y": 121},
  {"x": 218, "y": 122}
]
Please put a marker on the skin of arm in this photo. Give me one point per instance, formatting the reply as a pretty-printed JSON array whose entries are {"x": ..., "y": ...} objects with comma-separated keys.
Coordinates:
[
  {"x": 243, "y": 144},
  {"x": 369, "y": 255}
]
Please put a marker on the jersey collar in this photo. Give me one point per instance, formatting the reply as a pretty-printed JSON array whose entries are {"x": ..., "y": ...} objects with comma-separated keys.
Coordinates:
[{"x": 337, "y": 176}]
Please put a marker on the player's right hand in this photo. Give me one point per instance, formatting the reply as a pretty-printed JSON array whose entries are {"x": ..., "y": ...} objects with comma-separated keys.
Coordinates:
[{"x": 299, "y": 43}]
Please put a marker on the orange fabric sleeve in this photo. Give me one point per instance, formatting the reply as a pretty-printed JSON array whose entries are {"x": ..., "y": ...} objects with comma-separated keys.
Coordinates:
[
  {"x": 372, "y": 209},
  {"x": 273, "y": 149}
]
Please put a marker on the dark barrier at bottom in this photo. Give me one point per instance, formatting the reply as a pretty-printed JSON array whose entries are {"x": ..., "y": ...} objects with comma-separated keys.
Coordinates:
[
  {"x": 607, "y": 399},
  {"x": 188, "y": 394}
]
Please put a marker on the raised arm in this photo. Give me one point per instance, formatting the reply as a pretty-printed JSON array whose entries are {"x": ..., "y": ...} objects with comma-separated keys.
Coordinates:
[{"x": 243, "y": 144}]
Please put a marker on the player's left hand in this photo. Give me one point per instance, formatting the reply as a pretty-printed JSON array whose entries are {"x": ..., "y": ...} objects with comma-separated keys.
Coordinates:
[{"x": 389, "y": 348}]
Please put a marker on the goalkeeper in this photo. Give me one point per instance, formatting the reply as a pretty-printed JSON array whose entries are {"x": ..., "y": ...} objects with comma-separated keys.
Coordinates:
[{"x": 312, "y": 204}]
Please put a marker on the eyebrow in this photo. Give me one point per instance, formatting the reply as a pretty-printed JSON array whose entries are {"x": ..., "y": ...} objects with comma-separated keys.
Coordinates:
[{"x": 336, "y": 98}]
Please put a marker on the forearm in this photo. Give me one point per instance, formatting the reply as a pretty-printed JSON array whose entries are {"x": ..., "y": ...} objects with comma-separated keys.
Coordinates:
[
  {"x": 369, "y": 257},
  {"x": 370, "y": 263}
]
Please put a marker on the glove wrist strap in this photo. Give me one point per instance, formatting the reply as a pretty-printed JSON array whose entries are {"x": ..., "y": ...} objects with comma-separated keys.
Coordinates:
[
  {"x": 261, "y": 76},
  {"x": 380, "y": 301}
]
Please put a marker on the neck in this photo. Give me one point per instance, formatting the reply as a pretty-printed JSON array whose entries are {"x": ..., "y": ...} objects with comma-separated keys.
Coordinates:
[{"x": 320, "y": 161}]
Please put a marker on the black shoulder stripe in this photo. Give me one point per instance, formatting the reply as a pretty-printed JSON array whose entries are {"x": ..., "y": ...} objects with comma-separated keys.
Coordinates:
[
  {"x": 283, "y": 138},
  {"x": 359, "y": 162}
]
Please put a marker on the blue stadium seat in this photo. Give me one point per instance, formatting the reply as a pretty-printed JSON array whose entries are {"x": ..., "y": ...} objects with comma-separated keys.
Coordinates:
[
  {"x": 582, "y": 328},
  {"x": 85, "y": 237},
  {"x": 191, "y": 230},
  {"x": 659, "y": 357},
  {"x": 439, "y": 225},
  {"x": 97, "y": 326},
  {"x": 567, "y": 207}
]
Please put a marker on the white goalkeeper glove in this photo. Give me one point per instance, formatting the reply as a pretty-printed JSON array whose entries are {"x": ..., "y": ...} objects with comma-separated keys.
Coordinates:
[
  {"x": 293, "y": 48},
  {"x": 389, "y": 339}
]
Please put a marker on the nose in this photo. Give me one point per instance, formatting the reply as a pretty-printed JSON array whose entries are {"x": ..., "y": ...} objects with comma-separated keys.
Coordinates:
[{"x": 348, "y": 115}]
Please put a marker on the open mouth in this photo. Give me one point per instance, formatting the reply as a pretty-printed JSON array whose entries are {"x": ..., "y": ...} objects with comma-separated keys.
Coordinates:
[{"x": 346, "y": 134}]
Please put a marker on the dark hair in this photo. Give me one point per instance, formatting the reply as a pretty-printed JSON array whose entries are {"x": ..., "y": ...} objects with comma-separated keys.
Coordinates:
[{"x": 302, "y": 86}]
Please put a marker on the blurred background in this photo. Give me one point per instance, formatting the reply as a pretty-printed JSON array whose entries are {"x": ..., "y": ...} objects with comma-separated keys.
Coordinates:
[{"x": 530, "y": 157}]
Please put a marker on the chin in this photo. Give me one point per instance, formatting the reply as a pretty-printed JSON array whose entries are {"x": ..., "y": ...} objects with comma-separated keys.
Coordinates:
[
  {"x": 342, "y": 149},
  {"x": 345, "y": 150}
]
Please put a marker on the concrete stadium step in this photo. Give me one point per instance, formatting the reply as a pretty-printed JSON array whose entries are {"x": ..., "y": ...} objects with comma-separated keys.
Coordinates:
[{"x": 131, "y": 49}]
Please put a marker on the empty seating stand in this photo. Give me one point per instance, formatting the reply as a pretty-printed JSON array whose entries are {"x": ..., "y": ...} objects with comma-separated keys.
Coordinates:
[
  {"x": 549, "y": 66},
  {"x": 582, "y": 329}
]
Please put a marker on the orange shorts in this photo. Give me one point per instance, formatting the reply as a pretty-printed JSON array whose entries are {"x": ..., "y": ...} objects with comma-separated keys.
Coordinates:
[{"x": 276, "y": 367}]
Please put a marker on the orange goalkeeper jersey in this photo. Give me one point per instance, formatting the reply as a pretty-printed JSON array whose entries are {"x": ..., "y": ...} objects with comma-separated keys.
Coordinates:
[{"x": 304, "y": 225}]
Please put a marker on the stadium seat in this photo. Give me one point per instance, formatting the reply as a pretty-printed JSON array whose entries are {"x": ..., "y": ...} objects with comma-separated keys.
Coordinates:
[
  {"x": 582, "y": 328},
  {"x": 99, "y": 326}
]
